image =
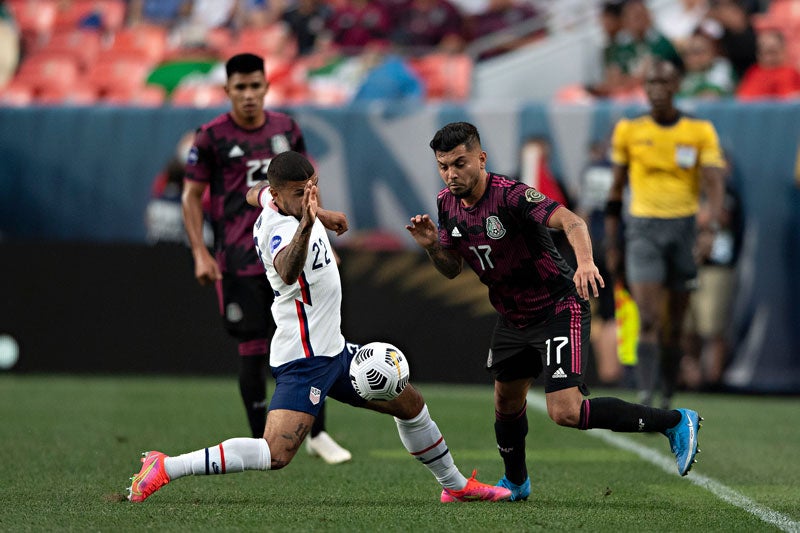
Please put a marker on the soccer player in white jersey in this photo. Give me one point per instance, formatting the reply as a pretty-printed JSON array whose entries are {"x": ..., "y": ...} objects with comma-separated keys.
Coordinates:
[{"x": 309, "y": 356}]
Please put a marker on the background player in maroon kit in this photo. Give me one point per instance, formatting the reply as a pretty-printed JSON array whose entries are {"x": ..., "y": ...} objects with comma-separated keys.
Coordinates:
[
  {"x": 231, "y": 153},
  {"x": 500, "y": 227}
]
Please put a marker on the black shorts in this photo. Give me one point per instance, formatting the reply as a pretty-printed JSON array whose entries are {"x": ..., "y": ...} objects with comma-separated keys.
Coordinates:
[
  {"x": 559, "y": 346},
  {"x": 245, "y": 304}
]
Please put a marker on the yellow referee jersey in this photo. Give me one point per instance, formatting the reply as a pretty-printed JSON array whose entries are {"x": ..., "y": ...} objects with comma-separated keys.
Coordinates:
[{"x": 664, "y": 163}]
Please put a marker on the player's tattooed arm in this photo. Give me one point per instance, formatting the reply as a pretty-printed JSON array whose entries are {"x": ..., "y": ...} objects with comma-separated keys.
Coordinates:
[
  {"x": 290, "y": 261},
  {"x": 587, "y": 277},
  {"x": 446, "y": 262}
]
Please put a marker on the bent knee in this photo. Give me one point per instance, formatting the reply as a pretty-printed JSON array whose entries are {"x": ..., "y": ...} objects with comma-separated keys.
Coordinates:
[{"x": 566, "y": 417}]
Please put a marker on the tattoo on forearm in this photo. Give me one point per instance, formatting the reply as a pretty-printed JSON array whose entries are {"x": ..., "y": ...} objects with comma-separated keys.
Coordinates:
[
  {"x": 443, "y": 261},
  {"x": 296, "y": 254},
  {"x": 570, "y": 228}
]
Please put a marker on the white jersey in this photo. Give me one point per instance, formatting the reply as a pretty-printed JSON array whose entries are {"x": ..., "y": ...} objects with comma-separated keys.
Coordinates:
[{"x": 307, "y": 313}]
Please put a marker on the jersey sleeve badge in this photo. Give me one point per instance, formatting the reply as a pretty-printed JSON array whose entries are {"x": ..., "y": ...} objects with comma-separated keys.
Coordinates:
[{"x": 534, "y": 196}]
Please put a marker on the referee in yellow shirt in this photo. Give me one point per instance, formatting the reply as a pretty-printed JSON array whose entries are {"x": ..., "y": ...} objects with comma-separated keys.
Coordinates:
[{"x": 665, "y": 158}]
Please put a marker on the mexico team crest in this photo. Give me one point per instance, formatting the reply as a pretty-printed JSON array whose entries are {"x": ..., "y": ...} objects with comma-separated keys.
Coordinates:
[
  {"x": 494, "y": 228},
  {"x": 314, "y": 394}
]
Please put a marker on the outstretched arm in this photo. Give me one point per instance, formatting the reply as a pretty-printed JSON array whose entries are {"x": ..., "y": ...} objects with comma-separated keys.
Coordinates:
[
  {"x": 335, "y": 221},
  {"x": 587, "y": 277},
  {"x": 426, "y": 235}
]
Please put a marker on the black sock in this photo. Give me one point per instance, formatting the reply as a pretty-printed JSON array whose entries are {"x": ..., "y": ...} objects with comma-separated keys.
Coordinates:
[
  {"x": 510, "y": 431},
  {"x": 319, "y": 423},
  {"x": 619, "y": 415},
  {"x": 253, "y": 388}
]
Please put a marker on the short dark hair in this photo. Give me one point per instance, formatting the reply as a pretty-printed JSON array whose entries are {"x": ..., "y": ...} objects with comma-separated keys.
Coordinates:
[
  {"x": 289, "y": 166},
  {"x": 455, "y": 134},
  {"x": 613, "y": 7},
  {"x": 244, "y": 64}
]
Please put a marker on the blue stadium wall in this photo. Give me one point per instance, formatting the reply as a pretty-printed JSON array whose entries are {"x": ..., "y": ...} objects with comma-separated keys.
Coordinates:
[{"x": 81, "y": 291}]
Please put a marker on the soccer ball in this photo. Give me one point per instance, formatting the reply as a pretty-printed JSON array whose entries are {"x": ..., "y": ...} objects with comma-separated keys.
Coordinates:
[{"x": 379, "y": 371}]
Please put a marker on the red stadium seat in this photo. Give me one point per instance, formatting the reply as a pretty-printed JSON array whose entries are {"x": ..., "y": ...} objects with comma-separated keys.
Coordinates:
[
  {"x": 73, "y": 13},
  {"x": 274, "y": 40},
  {"x": 219, "y": 39},
  {"x": 144, "y": 41},
  {"x": 113, "y": 73},
  {"x": 146, "y": 96},
  {"x": 199, "y": 96},
  {"x": 35, "y": 18},
  {"x": 76, "y": 96},
  {"x": 445, "y": 76},
  {"x": 48, "y": 73},
  {"x": 781, "y": 15},
  {"x": 83, "y": 45},
  {"x": 16, "y": 94}
]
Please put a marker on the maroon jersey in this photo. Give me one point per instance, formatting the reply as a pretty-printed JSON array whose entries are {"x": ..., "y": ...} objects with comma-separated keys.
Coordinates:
[
  {"x": 504, "y": 238},
  {"x": 232, "y": 159}
]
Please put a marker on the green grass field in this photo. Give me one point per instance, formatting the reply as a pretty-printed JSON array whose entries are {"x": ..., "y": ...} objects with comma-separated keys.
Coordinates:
[{"x": 69, "y": 445}]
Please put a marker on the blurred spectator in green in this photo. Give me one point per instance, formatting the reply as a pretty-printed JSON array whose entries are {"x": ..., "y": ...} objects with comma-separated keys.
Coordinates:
[{"x": 708, "y": 75}]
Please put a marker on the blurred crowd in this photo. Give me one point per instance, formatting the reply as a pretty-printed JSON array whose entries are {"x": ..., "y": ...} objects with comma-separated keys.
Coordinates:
[
  {"x": 744, "y": 49},
  {"x": 330, "y": 52},
  {"x": 317, "y": 51}
]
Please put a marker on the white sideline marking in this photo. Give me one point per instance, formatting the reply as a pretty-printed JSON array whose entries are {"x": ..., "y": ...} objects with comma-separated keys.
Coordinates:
[{"x": 667, "y": 464}]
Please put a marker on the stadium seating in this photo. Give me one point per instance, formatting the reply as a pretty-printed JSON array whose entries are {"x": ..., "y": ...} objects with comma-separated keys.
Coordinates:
[
  {"x": 274, "y": 40},
  {"x": 35, "y": 18},
  {"x": 16, "y": 95},
  {"x": 144, "y": 96},
  {"x": 82, "y": 45},
  {"x": 445, "y": 76},
  {"x": 113, "y": 74},
  {"x": 50, "y": 74},
  {"x": 74, "y": 14},
  {"x": 79, "y": 94},
  {"x": 143, "y": 41},
  {"x": 205, "y": 95}
]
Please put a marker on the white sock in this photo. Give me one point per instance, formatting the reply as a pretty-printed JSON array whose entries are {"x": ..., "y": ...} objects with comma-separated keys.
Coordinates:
[
  {"x": 425, "y": 442},
  {"x": 232, "y": 455}
]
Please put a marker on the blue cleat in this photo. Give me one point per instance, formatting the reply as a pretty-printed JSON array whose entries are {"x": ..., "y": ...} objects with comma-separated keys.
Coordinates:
[
  {"x": 683, "y": 439},
  {"x": 518, "y": 492}
]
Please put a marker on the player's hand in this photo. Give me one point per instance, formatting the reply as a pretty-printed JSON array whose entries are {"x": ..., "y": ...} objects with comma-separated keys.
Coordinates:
[
  {"x": 333, "y": 220},
  {"x": 703, "y": 246},
  {"x": 310, "y": 205},
  {"x": 206, "y": 269},
  {"x": 588, "y": 280},
  {"x": 423, "y": 230}
]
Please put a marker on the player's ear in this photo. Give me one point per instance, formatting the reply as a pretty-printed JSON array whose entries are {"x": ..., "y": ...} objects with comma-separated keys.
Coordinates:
[{"x": 273, "y": 192}]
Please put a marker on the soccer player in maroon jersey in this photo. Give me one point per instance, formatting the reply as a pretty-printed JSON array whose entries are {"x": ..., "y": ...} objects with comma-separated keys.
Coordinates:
[
  {"x": 500, "y": 228},
  {"x": 230, "y": 154}
]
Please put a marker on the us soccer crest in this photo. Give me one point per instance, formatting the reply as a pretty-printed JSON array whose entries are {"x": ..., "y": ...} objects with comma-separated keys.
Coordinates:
[
  {"x": 314, "y": 394},
  {"x": 494, "y": 228},
  {"x": 280, "y": 144}
]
